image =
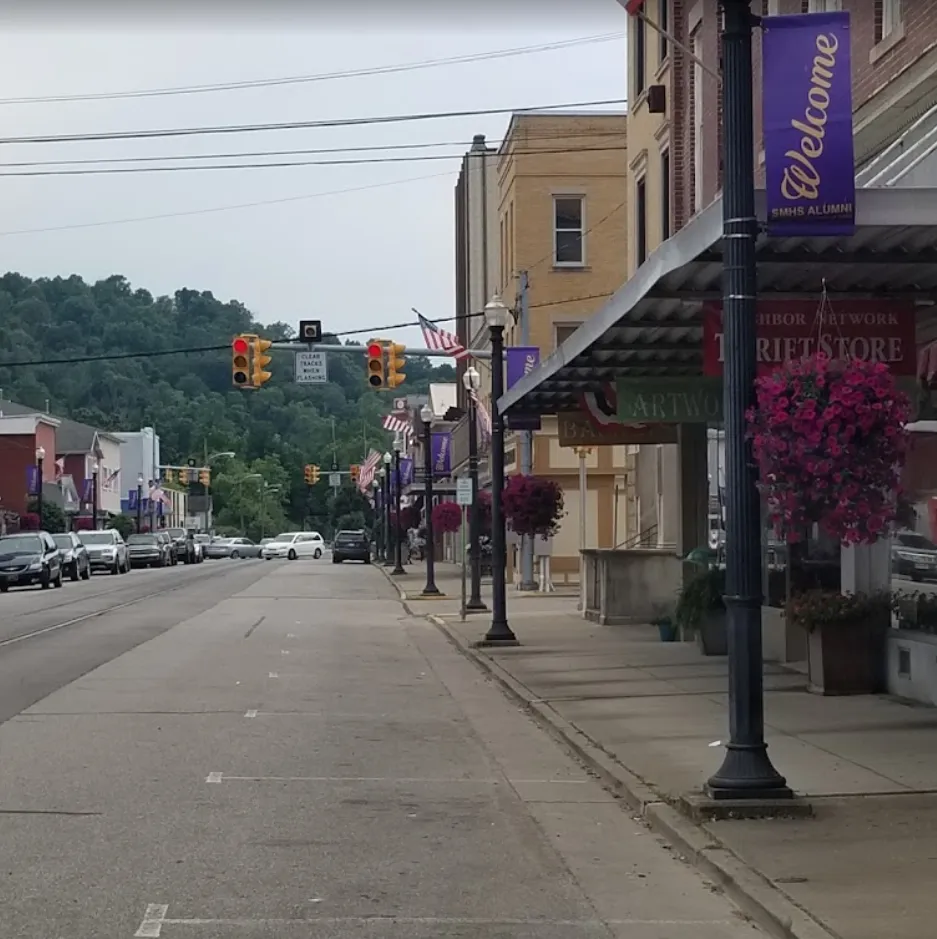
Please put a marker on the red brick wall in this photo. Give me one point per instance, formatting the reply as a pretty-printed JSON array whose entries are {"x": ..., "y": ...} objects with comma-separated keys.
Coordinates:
[{"x": 17, "y": 452}]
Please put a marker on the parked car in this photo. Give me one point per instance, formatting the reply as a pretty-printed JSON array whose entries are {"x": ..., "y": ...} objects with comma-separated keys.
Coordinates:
[
  {"x": 75, "y": 561},
  {"x": 106, "y": 550},
  {"x": 914, "y": 556},
  {"x": 165, "y": 539},
  {"x": 185, "y": 545},
  {"x": 29, "y": 558},
  {"x": 148, "y": 550},
  {"x": 233, "y": 548},
  {"x": 351, "y": 546},
  {"x": 295, "y": 544}
]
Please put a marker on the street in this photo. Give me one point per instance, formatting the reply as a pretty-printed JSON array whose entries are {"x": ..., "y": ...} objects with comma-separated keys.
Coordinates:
[{"x": 292, "y": 754}]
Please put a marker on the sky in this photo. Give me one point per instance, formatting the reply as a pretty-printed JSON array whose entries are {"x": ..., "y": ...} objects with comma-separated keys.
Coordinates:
[{"x": 355, "y": 245}]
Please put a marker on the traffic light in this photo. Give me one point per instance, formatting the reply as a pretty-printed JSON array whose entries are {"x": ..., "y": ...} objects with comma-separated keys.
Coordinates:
[
  {"x": 376, "y": 375},
  {"x": 395, "y": 362},
  {"x": 311, "y": 474},
  {"x": 169, "y": 476},
  {"x": 315, "y": 474},
  {"x": 240, "y": 377},
  {"x": 259, "y": 375},
  {"x": 204, "y": 477},
  {"x": 355, "y": 472}
]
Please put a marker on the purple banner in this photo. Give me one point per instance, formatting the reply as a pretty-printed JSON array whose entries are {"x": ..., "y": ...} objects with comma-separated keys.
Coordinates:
[
  {"x": 807, "y": 106},
  {"x": 32, "y": 480},
  {"x": 521, "y": 361},
  {"x": 87, "y": 491},
  {"x": 440, "y": 453},
  {"x": 406, "y": 474}
]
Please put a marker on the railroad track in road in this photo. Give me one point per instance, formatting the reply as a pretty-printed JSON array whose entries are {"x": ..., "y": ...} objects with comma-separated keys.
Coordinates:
[{"x": 170, "y": 587}]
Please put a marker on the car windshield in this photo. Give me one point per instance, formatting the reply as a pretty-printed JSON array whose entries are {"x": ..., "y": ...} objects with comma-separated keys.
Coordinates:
[
  {"x": 203, "y": 539},
  {"x": 142, "y": 539},
  {"x": 96, "y": 537},
  {"x": 286, "y": 537},
  {"x": 177, "y": 532},
  {"x": 21, "y": 544},
  {"x": 916, "y": 541},
  {"x": 63, "y": 541}
]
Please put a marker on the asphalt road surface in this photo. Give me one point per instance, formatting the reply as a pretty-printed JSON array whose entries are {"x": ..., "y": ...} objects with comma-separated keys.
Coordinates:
[{"x": 292, "y": 755}]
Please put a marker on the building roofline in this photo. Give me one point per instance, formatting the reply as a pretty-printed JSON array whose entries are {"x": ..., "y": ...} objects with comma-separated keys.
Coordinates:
[{"x": 518, "y": 116}]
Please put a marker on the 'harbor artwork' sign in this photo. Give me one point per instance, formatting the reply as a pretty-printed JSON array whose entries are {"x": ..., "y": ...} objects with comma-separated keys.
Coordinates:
[
  {"x": 670, "y": 400},
  {"x": 876, "y": 330},
  {"x": 807, "y": 112}
]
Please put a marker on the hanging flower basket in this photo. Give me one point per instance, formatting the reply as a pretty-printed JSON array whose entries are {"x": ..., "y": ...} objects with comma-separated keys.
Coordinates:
[
  {"x": 447, "y": 517},
  {"x": 533, "y": 506},
  {"x": 29, "y": 522},
  {"x": 829, "y": 441}
]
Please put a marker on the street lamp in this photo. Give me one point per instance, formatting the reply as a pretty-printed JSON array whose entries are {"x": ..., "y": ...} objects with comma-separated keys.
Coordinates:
[
  {"x": 430, "y": 590},
  {"x": 746, "y": 771},
  {"x": 139, "y": 502},
  {"x": 221, "y": 454},
  {"x": 40, "y": 458},
  {"x": 95, "y": 469},
  {"x": 237, "y": 487},
  {"x": 497, "y": 316},
  {"x": 472, "y": 382},
  {"x": 263, "y": 507},
  {"x": 389, "y": 540},
  {"x": 398, "y": 539}
]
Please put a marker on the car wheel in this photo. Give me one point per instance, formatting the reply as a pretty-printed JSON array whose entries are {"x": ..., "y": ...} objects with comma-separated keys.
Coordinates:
[
  {"x": 318, "y": 554},
  {"x": 336, "y": 560},
  {"x": 4, "y": 588},
  {"x": 86, "y": 573},
  {"x": 59, "y": 579},
  {"x": 116, "y": 569},
  {"x": 367, "y": 560},
  {"x": 292, "y": 555},
  {"x": 73, "y": 573},
  {"x": 235, "y": 555}
]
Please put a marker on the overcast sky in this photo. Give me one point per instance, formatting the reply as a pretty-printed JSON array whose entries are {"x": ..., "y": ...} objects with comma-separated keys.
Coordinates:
[{"x": 358, "y": 258}]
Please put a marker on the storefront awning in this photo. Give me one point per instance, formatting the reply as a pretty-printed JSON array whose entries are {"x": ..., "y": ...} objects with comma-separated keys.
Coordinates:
[{"x": 652, "y": 326}]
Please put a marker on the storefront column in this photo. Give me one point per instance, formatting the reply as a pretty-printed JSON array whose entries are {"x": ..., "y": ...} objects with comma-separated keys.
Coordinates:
[
  {"x": 866, "y": 568},
  {"x": 693, "y": 487}
]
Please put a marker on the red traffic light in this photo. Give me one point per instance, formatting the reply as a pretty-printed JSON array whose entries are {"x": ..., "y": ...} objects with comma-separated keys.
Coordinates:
[
  {"x": 240, "y": 346},
  {"x": 375, "y": 350}
]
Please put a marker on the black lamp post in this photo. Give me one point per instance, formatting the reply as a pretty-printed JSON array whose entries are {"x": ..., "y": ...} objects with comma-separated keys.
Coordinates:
[
  {"x": 398, "y": 540},
  {"x": 496, "y": 315},
  {"x": 140, "y": 502},
  {"x": 389, "y": 539},
  {"x": 94, "y": 494},
  {"x": 746, "y": 772},
  {"x": 40, "y": 460},
  {"x": 472, "y": 382},
  {"x": 378, "y": 515},
  {"x": 430, "y": 590}
]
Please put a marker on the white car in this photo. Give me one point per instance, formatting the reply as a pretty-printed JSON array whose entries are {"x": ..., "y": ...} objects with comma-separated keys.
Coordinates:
[{"x": 295, "y": 544}]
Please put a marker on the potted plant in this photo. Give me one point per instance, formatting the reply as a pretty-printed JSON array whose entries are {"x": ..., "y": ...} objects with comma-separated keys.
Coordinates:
[
  {"x": 666, "y": 627},
  {"x": 701, "y": 609},
  {"x": 845, "y": 639}
]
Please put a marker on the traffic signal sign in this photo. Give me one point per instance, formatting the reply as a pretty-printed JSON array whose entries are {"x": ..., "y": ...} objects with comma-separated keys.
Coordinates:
[
  {"x": 376, "y": 375},
  {"x": 311, "y": 474},
  {"x": 240, "y": 348},
  {"x": 204, "y": 477},
  {"x": 395, "y": 362},
  {"x": 259, "y": 375},
  {"x": 355, "y": 473}
]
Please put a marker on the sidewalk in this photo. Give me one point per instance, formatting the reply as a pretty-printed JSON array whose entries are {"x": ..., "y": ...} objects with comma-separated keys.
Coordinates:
[{"x": 863, "y": 867}]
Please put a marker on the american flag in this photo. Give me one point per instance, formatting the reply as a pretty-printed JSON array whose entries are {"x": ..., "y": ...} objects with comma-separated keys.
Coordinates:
[
  {"x": 396, "y": 425},
  {"x": 158, "y": 494},
  {"x": 439, "y": 340},
  {"x": 368, "y": 469},
  {"x": 112, "y": 478},
  {"x": 482, "y": 417}
]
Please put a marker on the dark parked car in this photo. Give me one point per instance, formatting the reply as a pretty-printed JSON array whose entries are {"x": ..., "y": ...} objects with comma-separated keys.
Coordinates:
[
  {"x": 148, "y": 550},
  {"x": 185, "y": 545},
  {"x": 351, "y": 546},
  {"x": 914, "y": 556},
  {"x": 29, "y": 558},
  {"x": 75, "y": 561}
]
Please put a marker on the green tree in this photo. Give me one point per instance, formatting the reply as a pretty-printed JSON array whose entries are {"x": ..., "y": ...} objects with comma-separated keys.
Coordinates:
[{"x": 53, "y": 517}]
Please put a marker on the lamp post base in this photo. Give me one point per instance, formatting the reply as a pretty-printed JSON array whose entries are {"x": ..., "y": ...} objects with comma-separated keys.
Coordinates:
[
  {"x": 431, "y": 590},
  {"x": 475, "y": 606},
  {"x": 500, "y": 634},
  {"x": 398, "y": 572},
  {"x": 487, "y": 643},
  {"x": 747, "y": 773}
]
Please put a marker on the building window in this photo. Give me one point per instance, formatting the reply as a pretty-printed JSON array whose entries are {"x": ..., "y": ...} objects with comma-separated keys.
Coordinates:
[
  {"x": 564, "y": 331},
  {"x": 665, "y": 185},
  {"x": 697, "y": 47},
  {"x": 568, "y": 234},
  {"x": 640, "y": 220},
  {"x": 640, "y": 56},
  {"x": 821, "y": 6},
  {"x": 663, "y": 21},
  {"x": 887, "y": 18},
  {"x": 770, "y": 8}
]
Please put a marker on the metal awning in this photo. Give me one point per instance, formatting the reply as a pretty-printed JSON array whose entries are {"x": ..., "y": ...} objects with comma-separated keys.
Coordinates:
[{"x": 652, "y": 326}]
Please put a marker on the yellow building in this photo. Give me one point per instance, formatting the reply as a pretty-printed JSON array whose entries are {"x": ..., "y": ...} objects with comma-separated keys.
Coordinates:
[{"x": 562, "y": 223}]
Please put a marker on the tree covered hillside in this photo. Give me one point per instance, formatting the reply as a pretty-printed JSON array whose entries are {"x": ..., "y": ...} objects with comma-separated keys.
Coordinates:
[{"x": 187, "y": 396}]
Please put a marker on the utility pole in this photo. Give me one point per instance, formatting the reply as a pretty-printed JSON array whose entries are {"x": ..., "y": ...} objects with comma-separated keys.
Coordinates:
[{"x": 527, "y": 447}]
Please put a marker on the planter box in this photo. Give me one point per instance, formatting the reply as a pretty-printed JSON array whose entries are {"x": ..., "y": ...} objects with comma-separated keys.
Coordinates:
[
  {"x": 911, "y": 658},
  {"x": 847, "y": 659},
  {"x": 711, "y": 635}
]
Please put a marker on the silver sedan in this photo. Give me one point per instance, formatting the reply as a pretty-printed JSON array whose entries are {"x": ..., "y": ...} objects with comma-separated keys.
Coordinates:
[{"x": 231, "y": 548}]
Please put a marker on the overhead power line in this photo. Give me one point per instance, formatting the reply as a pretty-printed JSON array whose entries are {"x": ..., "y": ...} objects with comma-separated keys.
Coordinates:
[
  {"x": 319, "y": 77},
  {"x": 302, "y": 125}
]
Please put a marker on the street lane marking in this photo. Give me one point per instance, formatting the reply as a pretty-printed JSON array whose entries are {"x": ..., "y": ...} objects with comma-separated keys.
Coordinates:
[
  {"x": 274, "y": 675},
  {"x": 213, "y": 778},
  {"x": 252, "y": 713},
  {"x": 153, "y": 921},
  {"x": 284, "y": 651},
  {"x": 392, "y": 919},
  {"x": 291, "y": 635}
]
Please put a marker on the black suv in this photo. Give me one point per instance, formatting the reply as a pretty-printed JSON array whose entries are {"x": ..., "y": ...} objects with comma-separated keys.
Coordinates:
[{"x": 351, "y": 546}]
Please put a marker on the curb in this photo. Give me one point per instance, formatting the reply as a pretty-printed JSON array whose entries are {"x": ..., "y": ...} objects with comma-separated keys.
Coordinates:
[{"x": 751, "y": 891}]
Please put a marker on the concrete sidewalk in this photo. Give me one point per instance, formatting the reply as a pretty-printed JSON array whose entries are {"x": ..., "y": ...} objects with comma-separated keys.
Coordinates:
[{"x": 653, "y": 716}]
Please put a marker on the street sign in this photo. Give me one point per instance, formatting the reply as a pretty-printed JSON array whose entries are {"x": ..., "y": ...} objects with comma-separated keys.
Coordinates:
[
  {"x": 463, "y": 490},
  {"x": 400, "y": 404},
  {"x": 310, "y": 331},
  {"x": 335, "y": 480},
  {"x": 311, "y": 368},
  {"x": 334, "y": 466}
]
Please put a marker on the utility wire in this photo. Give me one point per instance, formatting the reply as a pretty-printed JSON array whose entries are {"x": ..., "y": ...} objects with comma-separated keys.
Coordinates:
[
  {"x": 302, "y": 125},
  {"x": 319, "y": 77}
]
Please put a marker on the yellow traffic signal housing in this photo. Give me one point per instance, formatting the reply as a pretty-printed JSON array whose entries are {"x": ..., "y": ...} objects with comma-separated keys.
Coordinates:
[
  {"x": 377, "y": 377},
  {"x": 395, "y": 362},
  {"x": 355, "y": 473},
  {"x": 259, "y": 375},
  {"x": 307, "y": 474},
  {"x": 204, "y": 477},
  {"x": 315, "y": 474},
  {"x": 240, "y": 371},
  {"x": 169, "y": 476}
]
